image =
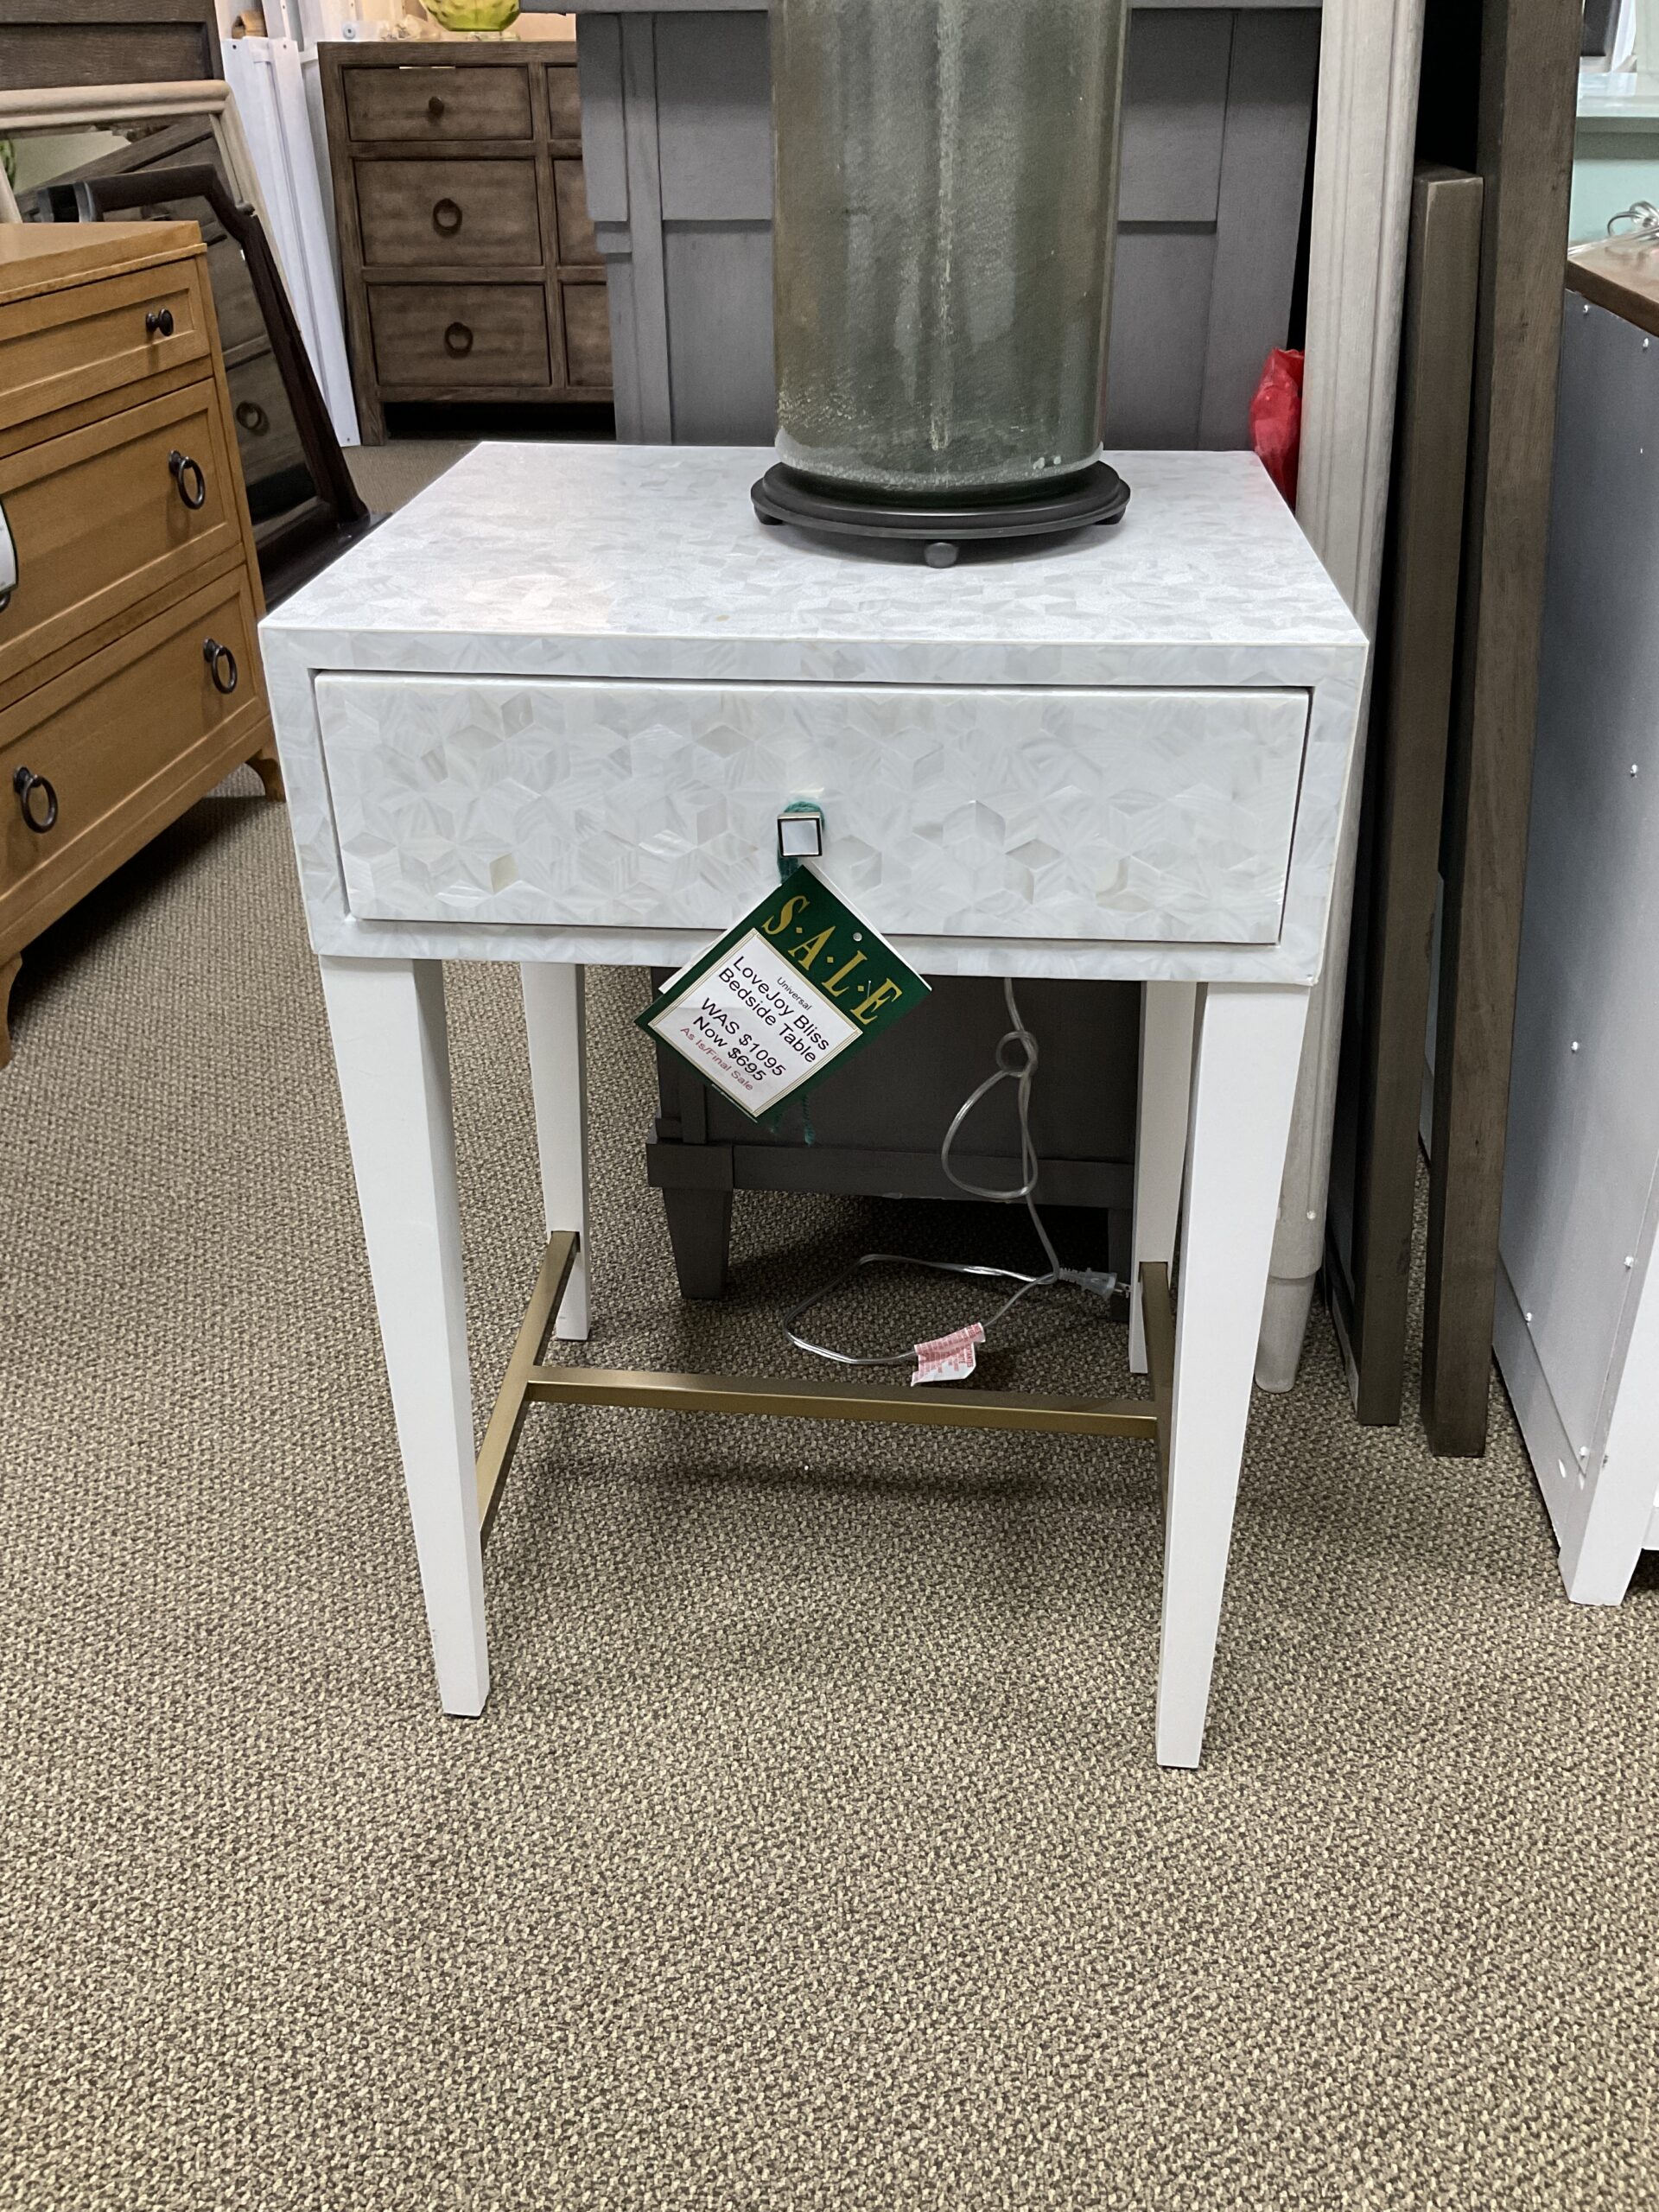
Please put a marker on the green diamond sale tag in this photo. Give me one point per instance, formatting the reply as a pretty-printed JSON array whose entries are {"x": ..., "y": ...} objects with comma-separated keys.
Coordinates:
[{"x": 787, "y": 994}]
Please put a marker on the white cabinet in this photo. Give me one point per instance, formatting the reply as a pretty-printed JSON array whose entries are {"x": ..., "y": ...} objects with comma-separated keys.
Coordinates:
[{"x": 1577, "y": 1326}]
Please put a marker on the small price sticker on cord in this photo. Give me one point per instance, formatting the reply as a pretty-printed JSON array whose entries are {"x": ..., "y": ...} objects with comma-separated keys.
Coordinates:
[
  {"x": 948, "y": 1359},
  {"x": 789, "y": 991}
]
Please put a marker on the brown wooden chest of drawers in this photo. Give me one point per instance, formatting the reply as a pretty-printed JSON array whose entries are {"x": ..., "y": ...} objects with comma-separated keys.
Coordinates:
[
  {"x": 130, "y": 676},
  {"x": 267, "y": 440},
  {"x": 470, "y": 266}
]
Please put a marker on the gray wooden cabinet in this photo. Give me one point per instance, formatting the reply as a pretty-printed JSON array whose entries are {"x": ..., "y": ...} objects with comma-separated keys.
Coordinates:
[
  {"x": 49, "y": 42},
  {"x": 677, "y": 141},
  {"x": 467, "y": 260}
]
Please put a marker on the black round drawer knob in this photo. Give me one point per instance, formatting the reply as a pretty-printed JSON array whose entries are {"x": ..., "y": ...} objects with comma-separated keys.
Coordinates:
[
  {"x": 187, "y": 475},
  {"x": 434, "y": 107},
  {"x": 158, "y": 323},
  {"x": 26, "y": 782},
  {"x": 253, "y": 417},
  {"x": 446, "y": 218},
  {"x": 458, "y": 339},
  {"x": 221, "y": 665}
]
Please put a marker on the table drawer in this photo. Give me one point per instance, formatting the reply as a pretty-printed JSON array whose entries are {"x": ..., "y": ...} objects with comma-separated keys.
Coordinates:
[
  {"x": 461, "y": 214},
  {"x": 267, "y": 437},
  {"x": 577, "y": 242},
  {"x": 563, "y": 102},
  {"x": 99, "y": 519},
  {"x": 453, "y": 334},
  {"x": 236, "y": 304},
  {"x": 1161, "y": 816},
  {"x": 69, "y": 346},
  {"x": 436, "y": 102},
  {"x": 586, "y": 334},
  {"x": 116, "y": 735}
]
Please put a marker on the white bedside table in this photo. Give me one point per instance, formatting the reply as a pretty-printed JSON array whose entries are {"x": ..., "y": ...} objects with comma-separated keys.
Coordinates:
[{"x": 549, "y": 713}]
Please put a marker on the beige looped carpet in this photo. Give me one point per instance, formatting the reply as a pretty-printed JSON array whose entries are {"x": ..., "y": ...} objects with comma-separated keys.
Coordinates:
[{"x": 811, "y": 1853}]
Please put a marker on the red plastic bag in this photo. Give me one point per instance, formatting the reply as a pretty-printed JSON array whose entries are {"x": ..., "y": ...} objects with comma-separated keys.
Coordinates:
[{"x": 1276, "y": 419}]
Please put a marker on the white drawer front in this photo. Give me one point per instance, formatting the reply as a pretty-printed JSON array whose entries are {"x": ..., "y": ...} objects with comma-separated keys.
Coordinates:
[{"x": 1162, "y": 816}]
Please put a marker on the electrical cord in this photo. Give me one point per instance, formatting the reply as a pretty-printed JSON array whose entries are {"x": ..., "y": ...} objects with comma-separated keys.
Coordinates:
[{"x": 1016, "y": 1063}]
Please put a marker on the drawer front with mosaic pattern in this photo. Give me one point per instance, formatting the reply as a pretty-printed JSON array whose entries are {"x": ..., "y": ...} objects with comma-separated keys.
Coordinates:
[{"x": 1163, "y": 815}]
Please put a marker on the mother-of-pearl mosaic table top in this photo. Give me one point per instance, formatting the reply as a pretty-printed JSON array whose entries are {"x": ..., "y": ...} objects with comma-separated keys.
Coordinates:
[{"x": 649, "y": 561}]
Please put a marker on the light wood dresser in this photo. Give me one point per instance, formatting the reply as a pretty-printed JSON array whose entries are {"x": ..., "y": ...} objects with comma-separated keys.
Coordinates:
[
  {"x": 470, "y": 266},
  {"x": 267, "y": 436},
  {"x": 129, "y": 673}
]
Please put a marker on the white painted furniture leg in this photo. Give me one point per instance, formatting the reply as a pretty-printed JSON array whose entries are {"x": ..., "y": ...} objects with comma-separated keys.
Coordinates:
[
  {"x": 391, "y": 1050},
  {"x": 555, "y": 1025},
  {"x": 1249, "y": 1043},
  {"x": 1166, "y": 1016}
]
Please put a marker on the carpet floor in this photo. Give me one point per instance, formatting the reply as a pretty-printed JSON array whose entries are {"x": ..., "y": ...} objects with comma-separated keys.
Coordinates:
[{"x": 811, "y": 1853}]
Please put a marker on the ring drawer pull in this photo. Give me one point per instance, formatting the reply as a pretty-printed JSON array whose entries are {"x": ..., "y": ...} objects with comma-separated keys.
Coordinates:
[
  {"x": 26, "y": 782},
  {"x": 194, "y": 492},
  {"x": 221, "y": 665},
  {"x": 446, "y": 218},
  {"x": 158, "y": 323},
  {"x": 434, "y": 107},
  {"x": 253, "y": 417},
  {"x": 458, "y": 339}
]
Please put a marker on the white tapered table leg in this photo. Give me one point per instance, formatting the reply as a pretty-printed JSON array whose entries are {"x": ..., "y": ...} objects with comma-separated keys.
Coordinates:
[
  {"x": 1249, "y": 1043},
  {"x": 555, "y": 1027},
  {"x": 1166, "y": 1016},
  {"x": 391, "y": 1050}
]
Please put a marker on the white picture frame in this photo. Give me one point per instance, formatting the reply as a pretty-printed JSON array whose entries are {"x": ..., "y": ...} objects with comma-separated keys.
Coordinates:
[
  {"x": 278, "y": 101},
  {"x": 294, "y": 221},
  {"x": 83, "y": 107},
  {"x": 1371, "y": 54}
]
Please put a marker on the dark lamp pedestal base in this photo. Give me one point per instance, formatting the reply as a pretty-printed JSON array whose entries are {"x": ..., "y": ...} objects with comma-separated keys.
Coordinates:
[{"x": 1098, "y": 496}]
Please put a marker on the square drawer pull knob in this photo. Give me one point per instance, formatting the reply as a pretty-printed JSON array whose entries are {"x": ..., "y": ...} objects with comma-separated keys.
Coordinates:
[{"x": 800, "y": 834}]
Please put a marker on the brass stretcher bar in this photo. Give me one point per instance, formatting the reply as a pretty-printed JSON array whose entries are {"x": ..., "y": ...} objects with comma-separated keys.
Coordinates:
[{"x": 527, "y": 1383}]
